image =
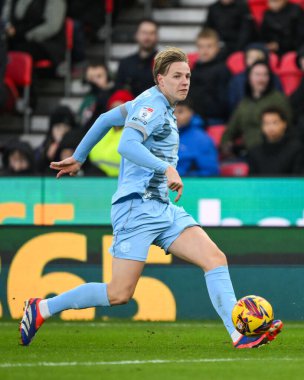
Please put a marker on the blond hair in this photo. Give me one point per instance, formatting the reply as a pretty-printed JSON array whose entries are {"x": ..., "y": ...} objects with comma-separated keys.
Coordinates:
[
  {"x": 208, "y": 33},
  {"x": 165, "y": 58}
]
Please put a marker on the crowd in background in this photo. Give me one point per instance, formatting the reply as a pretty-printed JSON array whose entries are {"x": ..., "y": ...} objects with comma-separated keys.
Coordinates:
[{"x": 262, "y": 125}]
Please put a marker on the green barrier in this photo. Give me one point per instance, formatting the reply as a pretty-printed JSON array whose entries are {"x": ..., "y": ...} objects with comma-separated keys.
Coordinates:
[
  {"x": 212, "y": 201},
  {"x": 43, "y": 261}
]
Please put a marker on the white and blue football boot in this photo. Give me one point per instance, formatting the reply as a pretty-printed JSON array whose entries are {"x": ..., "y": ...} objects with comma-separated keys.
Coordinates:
[{"x": 31, "y": 321}]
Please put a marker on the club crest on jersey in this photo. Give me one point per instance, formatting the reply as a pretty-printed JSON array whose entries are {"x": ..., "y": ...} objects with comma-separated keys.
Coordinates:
[{"x": 145, "y": 113}]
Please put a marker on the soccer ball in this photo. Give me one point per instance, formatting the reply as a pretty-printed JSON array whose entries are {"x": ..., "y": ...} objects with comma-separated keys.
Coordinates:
[{"x": 252, "y": 315}]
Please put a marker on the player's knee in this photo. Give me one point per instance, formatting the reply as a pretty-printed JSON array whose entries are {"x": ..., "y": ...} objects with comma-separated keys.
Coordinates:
[
  {"x": 217, "y": 259},
  {"x": 118, "y": 296}
]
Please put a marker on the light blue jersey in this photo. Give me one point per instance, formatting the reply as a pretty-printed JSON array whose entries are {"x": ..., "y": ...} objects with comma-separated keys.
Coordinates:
[{"x": 151, "y": 114}]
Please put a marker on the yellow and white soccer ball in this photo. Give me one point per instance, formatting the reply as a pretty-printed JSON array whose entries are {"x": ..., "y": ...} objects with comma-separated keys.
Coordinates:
[{"x": 252, "y": 315}]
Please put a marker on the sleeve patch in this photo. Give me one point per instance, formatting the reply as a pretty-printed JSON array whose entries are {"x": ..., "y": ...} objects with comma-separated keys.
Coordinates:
[{"x": 145, "y": 113}]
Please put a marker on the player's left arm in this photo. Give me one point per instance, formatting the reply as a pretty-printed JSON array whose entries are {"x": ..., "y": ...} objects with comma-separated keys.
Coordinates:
[
  {"x": 131, "y": 147},
  {"x": 138, "y": 128}
]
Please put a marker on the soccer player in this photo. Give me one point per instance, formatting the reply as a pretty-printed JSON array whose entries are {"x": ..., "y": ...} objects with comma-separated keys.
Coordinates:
[{"x": 142, "y": 213}]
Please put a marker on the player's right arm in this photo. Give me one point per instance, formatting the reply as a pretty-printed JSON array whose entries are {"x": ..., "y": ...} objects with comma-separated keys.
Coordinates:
[{"x": 72, "y": 165}]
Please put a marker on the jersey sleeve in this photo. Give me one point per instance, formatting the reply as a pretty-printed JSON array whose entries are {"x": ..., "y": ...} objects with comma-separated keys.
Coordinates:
[
  {"x": 112, "y": 118},
  {"x": 145, "y": 118}
]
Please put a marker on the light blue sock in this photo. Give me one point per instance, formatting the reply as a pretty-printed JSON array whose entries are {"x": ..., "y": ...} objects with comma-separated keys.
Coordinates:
[
  {"x": 86, "y": 295},
  {"x": 222, "y": 295}
]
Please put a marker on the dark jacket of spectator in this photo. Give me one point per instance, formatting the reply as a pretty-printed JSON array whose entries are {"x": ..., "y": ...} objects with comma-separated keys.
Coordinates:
[
  {"x": 236, "y": 88},
  {"x": 67, "y": 147},
  {"x": 39, "y": 26},
  {"x": 297, "y": 103},
  {"x": 297, "y": 99},
  {"x": 18, "y": 159},
  {"x": 280, "y": 158},
  {"x": 233, "y": 22},
  {"x": 90, "y": 12},
  {"x": 62, "y": 120},
  {"x": 135, "y": 73},
  {"x": 208, "y": 90},
  {"x": 2, "y": 64},
  {"x": 197, "y": 153},
  {"x": 245, "y": 121},
  {"x": 285, "y": 27}
]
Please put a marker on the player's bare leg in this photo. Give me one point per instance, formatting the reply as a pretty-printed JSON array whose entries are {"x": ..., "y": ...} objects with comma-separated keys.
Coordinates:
[
  {"x": 195, "y": 246},
  {"x": 125, "y": 276}
]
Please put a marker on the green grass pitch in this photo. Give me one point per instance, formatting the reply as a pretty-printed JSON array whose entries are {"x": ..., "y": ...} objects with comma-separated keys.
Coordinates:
[{"x": 146, "y": 350}]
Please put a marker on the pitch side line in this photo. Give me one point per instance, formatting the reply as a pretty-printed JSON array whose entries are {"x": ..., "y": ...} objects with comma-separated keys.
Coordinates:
[
  {"x": 140, "y": 324},
  {"x": 136, "y": 362}
]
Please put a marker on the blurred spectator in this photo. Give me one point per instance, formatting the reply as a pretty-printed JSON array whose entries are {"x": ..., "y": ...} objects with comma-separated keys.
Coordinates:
[
  {"x": 18, "y": 159},
  {"x": 165, "y": 3},
  {"x": 3, "y": 59},
  {"x": 297, "y": 98},
  {"x": 236, "y": 89},
  {"x": 245, "y": 121},
  {"x": 105, "y": 155},
  {"x": 279, "y": 153},
  {"x": 66, "y": 149},
  {"x": 197, "y": 153},
  {"x": 88, "y": 17},
  {"x": 95, "y": 102},
  {"x": 283, "y": 26},
  {"x": 233, "y": 22},
  {"x": 135, "y": 71},
  {"x": 62, "y": 120},
  {"x": 209, "y": 79},
  {"x": 37, "y": 27}
]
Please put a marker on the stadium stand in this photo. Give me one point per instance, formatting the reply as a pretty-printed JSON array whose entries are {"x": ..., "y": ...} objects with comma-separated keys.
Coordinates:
[
  {"x": 69, "y": 42},
  {"x": 215, "y": 132},
  {"x": 179, "y": 24},
  {"x": 289, "y": 73},
  {"x": 235, "y": 62},
  {"x": 19, "y": 74},
  {"x": 234, "y": 169}
]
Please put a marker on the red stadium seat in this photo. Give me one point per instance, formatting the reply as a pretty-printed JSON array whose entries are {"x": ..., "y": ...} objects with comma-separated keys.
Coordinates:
[
  {"x": 192, "y": 58},
  {"x": 69, "y": 38},
  {"x": 236, "y": 62},
  {"x": 257, "y": 9},
  {"x": 289, "y": 73},
  {"x": 299, "y": 2},
  {"x": 19, "y": 72},
  {"x": 215, "y": 132},
  {"x": 235, "y": 169}
]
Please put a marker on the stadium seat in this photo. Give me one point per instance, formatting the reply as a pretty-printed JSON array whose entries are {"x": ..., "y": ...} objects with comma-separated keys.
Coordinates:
[
  {"x": 19, "y": 73},
  {"x": 234, "y": 169},
  {"x": 46, "y": 64},
  {"x": 257, "y": 9},
  {"x": 192, "y": 58},
  {"x": 299, "y": 2},
  {"x": 236, "y": 63},
  {"x": 289, "y": 73},
  {"x": 215, "y": 132}
]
